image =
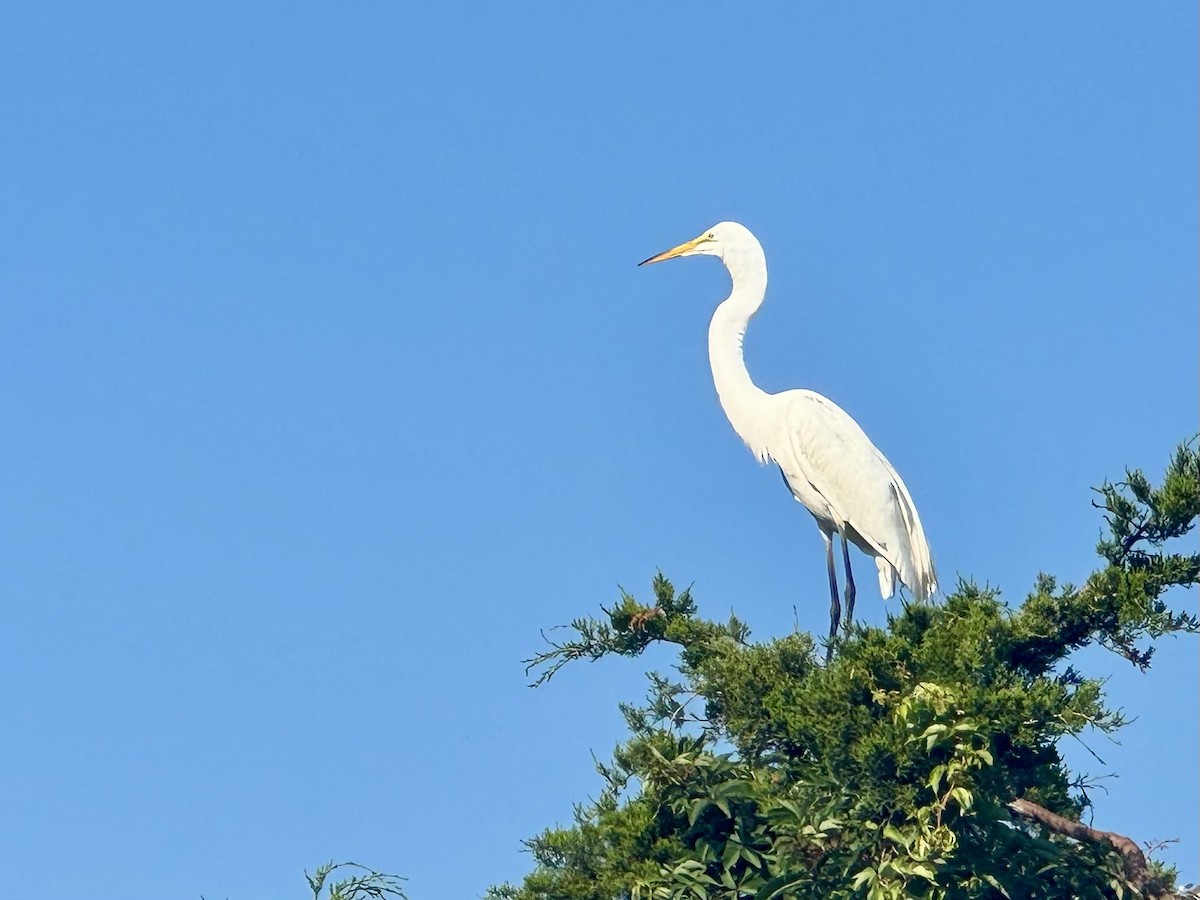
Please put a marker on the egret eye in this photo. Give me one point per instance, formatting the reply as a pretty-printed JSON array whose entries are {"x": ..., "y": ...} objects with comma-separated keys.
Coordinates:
[{"x": 711, "y": 236}]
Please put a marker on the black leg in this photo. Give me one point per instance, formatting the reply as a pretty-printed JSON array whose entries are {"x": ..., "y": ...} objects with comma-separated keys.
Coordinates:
[
  {"x": 835, "y": 608},
  {"x": 849, "y": 581}
]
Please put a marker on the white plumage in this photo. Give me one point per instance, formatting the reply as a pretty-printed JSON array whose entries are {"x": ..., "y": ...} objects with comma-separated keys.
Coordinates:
[{"x": 827, "y": 461}]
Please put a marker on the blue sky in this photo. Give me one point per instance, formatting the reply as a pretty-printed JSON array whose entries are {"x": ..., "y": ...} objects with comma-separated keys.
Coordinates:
[{"x": 329, "y": 380}]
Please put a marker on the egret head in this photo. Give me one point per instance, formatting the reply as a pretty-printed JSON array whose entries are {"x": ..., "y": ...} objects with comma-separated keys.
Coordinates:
[{"x": 724, "y": 240}]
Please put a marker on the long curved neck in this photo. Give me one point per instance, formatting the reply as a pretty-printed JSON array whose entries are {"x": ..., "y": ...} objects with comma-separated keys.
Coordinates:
[{"x": 740, "y": 397}]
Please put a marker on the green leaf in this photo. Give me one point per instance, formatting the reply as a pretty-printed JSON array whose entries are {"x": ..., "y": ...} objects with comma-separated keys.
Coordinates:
[
  {"x": 991, "y": 879},
  {"x": 777, "y": 887},
  {"x": 962, "y": 796},
  {"x": 864, "y": 876},
  {"x": 935, "y": 777},
  {"x": 925, "y": 872}
]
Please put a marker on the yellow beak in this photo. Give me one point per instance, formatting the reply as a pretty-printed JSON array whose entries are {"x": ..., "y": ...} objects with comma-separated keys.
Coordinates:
[{"x": 674, "y": 251}]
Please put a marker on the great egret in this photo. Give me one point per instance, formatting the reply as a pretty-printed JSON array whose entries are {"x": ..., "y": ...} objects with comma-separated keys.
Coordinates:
[{"x": 827, "y": 462}]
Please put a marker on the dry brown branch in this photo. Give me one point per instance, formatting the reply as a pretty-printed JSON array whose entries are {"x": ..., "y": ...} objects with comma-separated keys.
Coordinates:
[{"x": 1135, "y": 860}]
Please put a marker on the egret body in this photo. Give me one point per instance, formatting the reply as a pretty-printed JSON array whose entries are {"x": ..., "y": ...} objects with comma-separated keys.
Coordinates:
[{"x": 827, "y": 461}]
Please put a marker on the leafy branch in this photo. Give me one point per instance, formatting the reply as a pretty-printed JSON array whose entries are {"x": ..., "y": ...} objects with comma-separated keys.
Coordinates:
[
  {"x": 631, "y": 627},
  {"x": 1121, "y": 604},
  {"x": 367, "y": 884}
]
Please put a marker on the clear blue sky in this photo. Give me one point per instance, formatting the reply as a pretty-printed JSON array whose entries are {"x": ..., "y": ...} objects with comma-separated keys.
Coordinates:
[{"x": 329, "y": 380}]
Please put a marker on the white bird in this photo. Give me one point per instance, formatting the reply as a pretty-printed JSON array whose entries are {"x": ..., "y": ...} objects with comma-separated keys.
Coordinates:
[{"x": 827, "y": 461}]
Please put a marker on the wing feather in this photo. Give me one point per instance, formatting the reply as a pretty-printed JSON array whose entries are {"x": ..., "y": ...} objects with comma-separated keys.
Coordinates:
[{"x": 834, "y": 469}]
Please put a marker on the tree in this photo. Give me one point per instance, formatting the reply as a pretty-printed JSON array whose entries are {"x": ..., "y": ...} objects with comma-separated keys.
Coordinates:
[{"x": 921, "y": 761}]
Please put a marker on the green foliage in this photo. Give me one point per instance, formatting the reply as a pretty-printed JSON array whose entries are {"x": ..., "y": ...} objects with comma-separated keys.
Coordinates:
[
  {"x": 889, "y": 772},
  {"x": 364, "y": 884}
]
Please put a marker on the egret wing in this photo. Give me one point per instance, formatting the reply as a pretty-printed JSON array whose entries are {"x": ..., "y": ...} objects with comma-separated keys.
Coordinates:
[{"x": 826, "y": 448}]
